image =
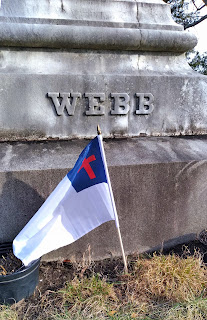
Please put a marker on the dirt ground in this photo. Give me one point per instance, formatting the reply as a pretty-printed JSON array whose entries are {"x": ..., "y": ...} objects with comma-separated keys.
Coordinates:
[{"x": 54, "y": 275}]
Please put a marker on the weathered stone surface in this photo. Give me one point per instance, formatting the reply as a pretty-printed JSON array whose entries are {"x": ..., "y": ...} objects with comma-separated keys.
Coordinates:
[
  {"x": 179, "y": 106},
  {"x": 143, "y": 86},
  {"x": 126, "y": 25},
  {"x": 76, "y": 37},
  {"x": 159, "y": 186}
]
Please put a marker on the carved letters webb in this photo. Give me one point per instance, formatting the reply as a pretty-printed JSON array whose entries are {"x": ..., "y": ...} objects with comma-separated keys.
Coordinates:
[{"x": 94, "y": 103}]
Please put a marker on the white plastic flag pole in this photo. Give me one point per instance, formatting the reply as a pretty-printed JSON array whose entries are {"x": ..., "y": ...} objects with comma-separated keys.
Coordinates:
[{"x": 112, "y": 197}]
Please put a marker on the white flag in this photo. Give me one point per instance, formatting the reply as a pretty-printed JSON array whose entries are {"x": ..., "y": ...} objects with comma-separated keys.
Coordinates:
[{"x": 81, "y": 202}]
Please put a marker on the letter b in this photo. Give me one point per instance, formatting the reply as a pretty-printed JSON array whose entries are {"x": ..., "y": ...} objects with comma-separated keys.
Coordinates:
[
  {"x": 145, "y": 103},
  {"x": 121, "y": 103}
]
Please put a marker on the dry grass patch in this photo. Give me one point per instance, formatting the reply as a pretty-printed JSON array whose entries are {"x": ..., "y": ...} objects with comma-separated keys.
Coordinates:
[{"x": 168, "y": 278}]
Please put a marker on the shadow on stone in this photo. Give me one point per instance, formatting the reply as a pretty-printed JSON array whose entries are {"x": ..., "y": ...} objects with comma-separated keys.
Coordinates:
[
  {"x": 18, "y": 203},
  {"x": 186, "y": 245}
]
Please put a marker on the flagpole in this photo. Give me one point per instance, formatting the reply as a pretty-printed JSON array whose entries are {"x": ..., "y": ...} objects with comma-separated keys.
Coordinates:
[{"x": 112, "y": 199}]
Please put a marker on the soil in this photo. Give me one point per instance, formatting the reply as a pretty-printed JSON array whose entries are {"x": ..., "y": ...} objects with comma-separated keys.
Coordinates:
[{"x": 9, "y": 264}]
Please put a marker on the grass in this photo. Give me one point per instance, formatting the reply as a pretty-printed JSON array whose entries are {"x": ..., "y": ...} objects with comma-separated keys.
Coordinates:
[
  {"x": 157, "y": 287},
  {"x": 88, "y": 296},
  {"x": 168, "y": 278},
  {"x": 195, "y": 309},
  {"x": 7, "y": 313}
]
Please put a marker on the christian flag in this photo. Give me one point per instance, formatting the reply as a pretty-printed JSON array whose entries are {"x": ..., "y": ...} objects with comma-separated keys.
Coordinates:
[{"x": 81, "y": 202}]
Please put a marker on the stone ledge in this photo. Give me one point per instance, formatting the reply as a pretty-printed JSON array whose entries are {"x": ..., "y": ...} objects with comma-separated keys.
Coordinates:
[
  {"x": 86, "y": 37},
  {"x": 85, "y": 23},
  {"x": 51, "y": 155}
]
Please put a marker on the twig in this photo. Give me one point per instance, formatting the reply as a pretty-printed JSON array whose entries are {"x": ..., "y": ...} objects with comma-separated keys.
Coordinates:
[
  {"x": 197, "y": 7},
  {"x": 195, "y": 22},
  {"x": 4, "y": 270}
]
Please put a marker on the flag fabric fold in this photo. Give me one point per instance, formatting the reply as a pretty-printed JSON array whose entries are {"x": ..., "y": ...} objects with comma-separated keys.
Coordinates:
[{"x": 80, "y": 203}]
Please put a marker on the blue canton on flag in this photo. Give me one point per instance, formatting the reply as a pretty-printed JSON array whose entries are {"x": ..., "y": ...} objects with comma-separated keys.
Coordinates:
[{"x": 89, "y": 168}]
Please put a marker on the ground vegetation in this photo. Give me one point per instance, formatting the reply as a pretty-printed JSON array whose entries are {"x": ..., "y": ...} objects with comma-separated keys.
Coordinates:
[{"x": 158, "y": 286}]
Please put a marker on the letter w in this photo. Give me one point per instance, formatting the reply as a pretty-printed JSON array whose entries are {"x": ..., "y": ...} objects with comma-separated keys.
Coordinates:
[{"x": 65, "y": 103}]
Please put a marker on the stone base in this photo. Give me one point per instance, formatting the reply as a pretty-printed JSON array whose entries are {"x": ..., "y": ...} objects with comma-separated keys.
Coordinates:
[
  {"x": 159, "y": 184},
  {"x": 64, "y": 95}
]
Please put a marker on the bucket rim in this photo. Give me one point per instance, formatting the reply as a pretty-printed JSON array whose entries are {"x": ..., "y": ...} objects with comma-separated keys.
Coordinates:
[{"x": 25, "y": 270}]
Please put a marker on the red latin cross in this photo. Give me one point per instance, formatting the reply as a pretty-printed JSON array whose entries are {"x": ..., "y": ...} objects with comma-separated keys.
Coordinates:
[{"x": 87, "y": 167}]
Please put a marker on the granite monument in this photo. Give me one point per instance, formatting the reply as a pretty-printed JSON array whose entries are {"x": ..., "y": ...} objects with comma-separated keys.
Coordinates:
[{"x": 66, "y": 66}]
